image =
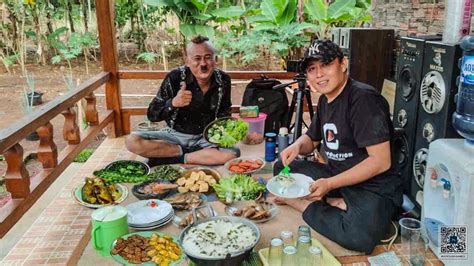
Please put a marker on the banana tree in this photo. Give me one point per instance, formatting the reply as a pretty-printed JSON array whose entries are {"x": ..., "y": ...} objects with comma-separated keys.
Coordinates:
[
  {"x": 278, "y": 21},
  {"x": 195, "y": 15},
  {"x": 340, "y": 13}
]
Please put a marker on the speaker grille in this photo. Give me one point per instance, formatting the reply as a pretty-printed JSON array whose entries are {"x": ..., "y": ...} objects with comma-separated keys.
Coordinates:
[
  {"x": 419, "y": 166},
  {"x": 432, "y": 92}
]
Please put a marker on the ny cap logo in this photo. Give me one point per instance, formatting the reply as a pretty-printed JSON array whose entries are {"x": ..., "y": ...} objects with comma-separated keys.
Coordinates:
[{"x": 314, "y": 49}]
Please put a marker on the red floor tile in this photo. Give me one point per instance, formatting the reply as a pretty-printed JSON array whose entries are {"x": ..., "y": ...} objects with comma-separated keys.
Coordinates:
[{"x": 36, "y": 262}]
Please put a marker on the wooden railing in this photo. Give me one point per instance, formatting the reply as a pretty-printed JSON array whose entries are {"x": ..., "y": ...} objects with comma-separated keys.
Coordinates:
[
  {"x": 129, "y": 111},
  {"x": 18, "y": 182}
]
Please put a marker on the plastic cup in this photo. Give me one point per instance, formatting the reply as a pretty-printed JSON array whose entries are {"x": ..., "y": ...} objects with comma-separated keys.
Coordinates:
[
  {"x": 256, "y": 131},
  {"x": 413, "y": 240},
  {"x": 275, "y": 252}
]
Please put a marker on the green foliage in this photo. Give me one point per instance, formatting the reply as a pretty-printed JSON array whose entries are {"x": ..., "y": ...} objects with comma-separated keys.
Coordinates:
[
  {"x": 342, "y": 13},
  {"x": 84, "y": 155},
  {"x": 195, "y": 15}
]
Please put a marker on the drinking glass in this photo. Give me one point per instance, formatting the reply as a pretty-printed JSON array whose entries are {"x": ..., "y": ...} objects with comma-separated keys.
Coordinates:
[
  {"x": 275, "y": 251},
  {"x": 289, "y": 256},
  {"x": 413, "y": 241},
  {"x": 315, "y": 256},
  {"x": 287, "y": 237}
]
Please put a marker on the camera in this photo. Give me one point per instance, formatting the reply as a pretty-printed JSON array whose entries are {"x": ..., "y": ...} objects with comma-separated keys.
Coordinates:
[{"x": 294, "y": 66}]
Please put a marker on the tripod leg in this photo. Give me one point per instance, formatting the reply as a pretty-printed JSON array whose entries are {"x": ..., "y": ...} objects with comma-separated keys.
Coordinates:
[
  {"x": 310, "y": 104},
  {"x": 298, "y": 115},
  {"x": 290, "y": 111}
]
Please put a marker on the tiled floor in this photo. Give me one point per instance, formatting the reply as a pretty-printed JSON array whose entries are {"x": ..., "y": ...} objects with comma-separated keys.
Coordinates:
[{"x": 53, "y": 237}]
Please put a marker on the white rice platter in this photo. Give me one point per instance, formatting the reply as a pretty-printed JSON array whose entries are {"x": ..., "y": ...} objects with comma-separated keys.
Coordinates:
[{"x": 217, "y": 238}]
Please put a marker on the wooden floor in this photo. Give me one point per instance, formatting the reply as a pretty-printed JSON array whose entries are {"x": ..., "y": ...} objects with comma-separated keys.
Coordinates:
[{"x": 60, "y": 234}]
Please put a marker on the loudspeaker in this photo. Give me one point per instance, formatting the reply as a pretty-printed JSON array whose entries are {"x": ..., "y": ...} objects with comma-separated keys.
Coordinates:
[
  {"x": 407, "y": 94},
  {"x": 369, "y": 51},
  {"x": 436, "y": 105}
]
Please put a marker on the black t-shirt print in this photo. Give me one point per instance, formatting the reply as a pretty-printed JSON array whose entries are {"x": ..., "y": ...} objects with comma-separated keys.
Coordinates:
[{"x": 357, "y": 118}]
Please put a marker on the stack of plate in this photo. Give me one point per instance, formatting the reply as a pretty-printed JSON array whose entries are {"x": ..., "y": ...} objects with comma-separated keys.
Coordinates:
[{"x": 149, "y": 214}]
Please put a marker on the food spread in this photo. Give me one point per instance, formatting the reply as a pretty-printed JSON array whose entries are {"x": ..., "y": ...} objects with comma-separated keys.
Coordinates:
[
  {"x": 95, "y": 191},
  {"x": 167, "y": 172},
  {"x": 254, "y": 211},
  {"x": 185, "y": 201},
  {"x": 238, "y": 187},
  {"x": 137, "y": 249},
  {"x": 196, "y": 182},
  {"x": 227, "y": 132},
  {"x": 124, "y": 172},
  {"x": 217, "y": 238},
  {"x": 244, "y": 166}
]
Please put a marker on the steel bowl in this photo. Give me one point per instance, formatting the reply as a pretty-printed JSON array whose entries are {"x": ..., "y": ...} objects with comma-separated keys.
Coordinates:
[{"x": 230, "y": 259}]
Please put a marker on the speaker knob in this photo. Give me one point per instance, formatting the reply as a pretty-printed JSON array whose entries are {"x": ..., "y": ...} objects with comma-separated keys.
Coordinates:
[
  {"x": 402, "y": 118},
  {"x": 428, "y": 132}
]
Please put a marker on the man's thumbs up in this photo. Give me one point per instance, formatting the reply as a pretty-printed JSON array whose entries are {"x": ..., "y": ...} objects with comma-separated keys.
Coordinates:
[{"x": 183, "y": 98}]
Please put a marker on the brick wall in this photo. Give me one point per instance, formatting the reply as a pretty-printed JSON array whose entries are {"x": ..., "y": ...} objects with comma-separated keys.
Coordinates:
[{"x": 411, "y": 17}]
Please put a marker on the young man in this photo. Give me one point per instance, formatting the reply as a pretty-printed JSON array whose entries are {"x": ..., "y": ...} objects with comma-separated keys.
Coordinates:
[
  {"x": 189, "y": 98},
  {"x": 356, "y": 193}
]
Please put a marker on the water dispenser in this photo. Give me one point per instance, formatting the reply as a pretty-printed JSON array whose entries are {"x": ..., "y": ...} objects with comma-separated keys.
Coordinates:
[{"x": 449, "y": 179}]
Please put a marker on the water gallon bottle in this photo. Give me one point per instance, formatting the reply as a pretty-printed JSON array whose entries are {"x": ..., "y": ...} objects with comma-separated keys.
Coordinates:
[
  {"x": 270, "y": 146},
  {"x": 463, "y": 118}
]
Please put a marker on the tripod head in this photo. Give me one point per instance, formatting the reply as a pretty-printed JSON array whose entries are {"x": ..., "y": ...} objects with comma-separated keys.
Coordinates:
[
  {"x": 299, "y": 78},
  {"x": 297, "y": 103}
]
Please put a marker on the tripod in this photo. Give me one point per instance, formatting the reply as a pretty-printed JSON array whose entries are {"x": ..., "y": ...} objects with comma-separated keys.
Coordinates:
[{"x": 297, "y": 102}]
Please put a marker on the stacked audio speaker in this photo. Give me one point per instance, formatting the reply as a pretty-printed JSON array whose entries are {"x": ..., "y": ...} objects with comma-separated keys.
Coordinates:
[{"x": 436, "y": 106}]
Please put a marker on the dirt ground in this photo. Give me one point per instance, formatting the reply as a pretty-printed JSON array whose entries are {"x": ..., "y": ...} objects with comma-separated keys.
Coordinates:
[{"x": 49, "y": 80}]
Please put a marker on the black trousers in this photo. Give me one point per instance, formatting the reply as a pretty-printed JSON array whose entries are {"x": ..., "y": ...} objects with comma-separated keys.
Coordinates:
[{"x": 361, "y": 226}]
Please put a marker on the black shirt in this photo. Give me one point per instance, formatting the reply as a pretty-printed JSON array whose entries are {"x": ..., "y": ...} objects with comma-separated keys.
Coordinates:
[
  {"x": 193, "y": 118},
  {"x": 356, "y": 118}
]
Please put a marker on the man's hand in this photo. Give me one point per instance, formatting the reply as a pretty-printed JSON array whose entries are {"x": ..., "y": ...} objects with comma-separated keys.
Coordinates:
[
  {"x": 319, "y": 189},
  {"x": 290, "y": 153},
  {"x": 183, "y": 98}
]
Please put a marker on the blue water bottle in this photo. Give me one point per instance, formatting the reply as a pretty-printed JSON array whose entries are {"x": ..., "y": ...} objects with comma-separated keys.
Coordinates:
[
  {"x": 463, "y": 118},
  {"x": 270, "y": 146}
]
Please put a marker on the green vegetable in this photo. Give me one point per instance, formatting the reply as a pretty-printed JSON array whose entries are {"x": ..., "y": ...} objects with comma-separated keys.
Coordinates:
[
  {"x": 242, "y": 187},
  {"x": 124, "y": 172},
  {"x": 226, "y": 133},
  {"x": 167, "y": 172},
  {"x": 83, "y": 155}
]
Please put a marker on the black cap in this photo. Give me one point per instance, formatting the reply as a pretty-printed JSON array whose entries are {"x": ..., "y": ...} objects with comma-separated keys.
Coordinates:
[{"x": 324, "y": 50}]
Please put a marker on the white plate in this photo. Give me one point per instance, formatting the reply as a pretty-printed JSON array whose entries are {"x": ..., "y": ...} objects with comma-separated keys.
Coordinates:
[
  {"x": 299, "y": 189},
  {"x": 141, "y": 212},
  {"x": 153, "y": 226},
  {"x": 153, "y": 223},
  {"x": 77, "y": 196},
  {"x": 271, "y": 207}
]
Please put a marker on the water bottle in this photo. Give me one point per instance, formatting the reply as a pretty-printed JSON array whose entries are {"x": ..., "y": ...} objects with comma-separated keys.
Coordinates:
[
  {"x": 283, "y": 140},
  {"x": 270, "y": 146},
  {"x": 463, "y": 118}
]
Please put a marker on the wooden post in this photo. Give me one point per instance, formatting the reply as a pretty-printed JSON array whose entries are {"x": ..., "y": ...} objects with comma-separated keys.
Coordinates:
[
  {"x": 47, "y": 150},
  {"x": 71, "y": 130},
  {"x": 108, "y": 51},
  {"x": 92, "y": 116},
  {"x": 17, "y": 178}
]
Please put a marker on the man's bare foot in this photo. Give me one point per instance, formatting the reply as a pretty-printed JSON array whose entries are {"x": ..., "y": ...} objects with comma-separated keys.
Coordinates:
[
  {"x": 298, "y": 204},
  {"x": 337, "y": 202}
]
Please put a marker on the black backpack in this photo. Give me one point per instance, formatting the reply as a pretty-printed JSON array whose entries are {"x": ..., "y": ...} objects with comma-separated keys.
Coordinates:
[{"x": 272, "y": 102}]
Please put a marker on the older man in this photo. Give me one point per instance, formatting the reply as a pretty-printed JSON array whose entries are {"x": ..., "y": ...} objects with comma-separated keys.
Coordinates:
[{"x": 189, "y": 98}]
